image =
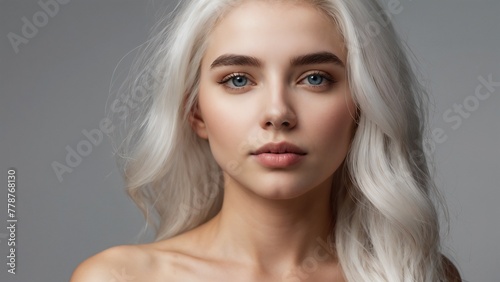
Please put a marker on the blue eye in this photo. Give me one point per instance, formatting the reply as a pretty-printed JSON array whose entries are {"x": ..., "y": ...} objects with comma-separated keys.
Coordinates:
[
  {"x": 239, "y": 81},
  {"x": 235, "y": 81},
  {"x": 315, "y": 79},
  {"x": 318, "y": 79}
]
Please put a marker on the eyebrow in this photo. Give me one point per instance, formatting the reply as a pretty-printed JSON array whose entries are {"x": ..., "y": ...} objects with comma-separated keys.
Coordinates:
[
  {"x": 308, "y": 59},
  {"x": 235, "y": 60},
  {"x": 316, "y": 58}
]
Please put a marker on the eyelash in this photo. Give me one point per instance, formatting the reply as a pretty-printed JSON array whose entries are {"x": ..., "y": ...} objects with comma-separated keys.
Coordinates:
[
  {"x": 226, "y": 79},
  {"x": 329, "y": 79}
]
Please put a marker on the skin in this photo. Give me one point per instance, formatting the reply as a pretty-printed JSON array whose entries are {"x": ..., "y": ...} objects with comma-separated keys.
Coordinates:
[{"x": 274, "y": 221}]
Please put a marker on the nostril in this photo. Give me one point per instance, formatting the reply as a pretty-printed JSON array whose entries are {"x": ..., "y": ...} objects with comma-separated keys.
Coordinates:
[{"x": 279, "y": 124}]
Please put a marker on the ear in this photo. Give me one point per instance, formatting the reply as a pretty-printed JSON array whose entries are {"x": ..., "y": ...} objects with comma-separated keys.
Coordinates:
[{"x": 197, "y": 123}]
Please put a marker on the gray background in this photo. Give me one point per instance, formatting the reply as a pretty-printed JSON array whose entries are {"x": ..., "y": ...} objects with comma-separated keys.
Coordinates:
[{"x": 58, "y": 83}]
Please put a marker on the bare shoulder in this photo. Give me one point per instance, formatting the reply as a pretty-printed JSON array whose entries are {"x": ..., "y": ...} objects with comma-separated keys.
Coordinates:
[
  {"x": 146, "y": 262},
  {"x": 119, "y": 263}
]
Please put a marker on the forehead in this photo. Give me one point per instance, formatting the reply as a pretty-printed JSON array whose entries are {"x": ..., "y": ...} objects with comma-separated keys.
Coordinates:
[{"x": 273, "y": 30}]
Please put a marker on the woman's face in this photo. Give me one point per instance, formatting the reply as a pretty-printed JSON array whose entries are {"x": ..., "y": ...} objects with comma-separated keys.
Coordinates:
[{"x": 273, "y": 74}]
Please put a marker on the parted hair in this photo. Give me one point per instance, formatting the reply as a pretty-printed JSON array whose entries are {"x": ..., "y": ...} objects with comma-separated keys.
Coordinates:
[{"x": 384, "y": 200}]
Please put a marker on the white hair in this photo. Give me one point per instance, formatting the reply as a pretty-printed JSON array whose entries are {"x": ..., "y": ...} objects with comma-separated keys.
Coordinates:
[{"x": 386, "y": 225}]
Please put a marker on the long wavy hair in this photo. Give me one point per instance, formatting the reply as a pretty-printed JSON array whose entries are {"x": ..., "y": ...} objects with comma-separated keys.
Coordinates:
[{"x": 384, "y": 201}]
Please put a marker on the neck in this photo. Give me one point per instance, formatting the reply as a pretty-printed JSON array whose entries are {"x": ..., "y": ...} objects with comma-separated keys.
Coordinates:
[{"x": 269, "y": 233}]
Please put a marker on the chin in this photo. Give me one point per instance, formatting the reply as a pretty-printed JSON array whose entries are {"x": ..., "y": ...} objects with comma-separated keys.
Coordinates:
[
  {"x": 283, "y": 185},
  {"x": 280, "y": 190},
  {"x": 280, "y": 194}
]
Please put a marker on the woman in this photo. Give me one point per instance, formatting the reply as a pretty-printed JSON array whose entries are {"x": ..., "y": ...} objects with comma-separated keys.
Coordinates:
[{"x": 282, "y": 141}]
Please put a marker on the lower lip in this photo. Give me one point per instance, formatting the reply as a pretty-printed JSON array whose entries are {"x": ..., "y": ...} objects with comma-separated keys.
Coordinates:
[{"x": 278, "y": 160}]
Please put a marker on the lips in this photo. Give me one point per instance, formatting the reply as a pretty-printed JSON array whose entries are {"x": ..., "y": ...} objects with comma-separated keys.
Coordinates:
[
  {"x": 279, "y": 155},
  {"x": 279, "y": 148}
]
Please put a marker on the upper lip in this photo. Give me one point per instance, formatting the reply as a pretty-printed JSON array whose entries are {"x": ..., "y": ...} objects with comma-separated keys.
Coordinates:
[{"x": 279, "y": 148}]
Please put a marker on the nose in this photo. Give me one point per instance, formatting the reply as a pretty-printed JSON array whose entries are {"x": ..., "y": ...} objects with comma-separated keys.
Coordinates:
[{"x": 279, "y": 113}]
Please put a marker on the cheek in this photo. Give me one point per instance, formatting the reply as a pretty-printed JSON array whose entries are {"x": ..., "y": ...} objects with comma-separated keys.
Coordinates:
[
  {"x": 334, "y": 126},
  {"x": 226, "y": 124}
]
